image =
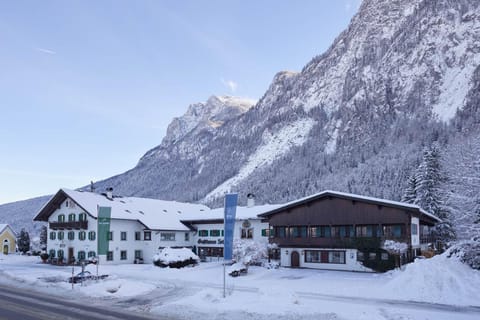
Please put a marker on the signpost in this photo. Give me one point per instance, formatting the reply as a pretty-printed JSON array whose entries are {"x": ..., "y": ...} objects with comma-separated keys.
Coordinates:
[
  {"x": 229, "y": 224},
  {"x": 103, "y": 228}
]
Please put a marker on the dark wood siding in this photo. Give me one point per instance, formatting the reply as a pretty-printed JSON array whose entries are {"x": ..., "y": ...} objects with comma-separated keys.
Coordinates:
[{"x": 331, "y": 211}]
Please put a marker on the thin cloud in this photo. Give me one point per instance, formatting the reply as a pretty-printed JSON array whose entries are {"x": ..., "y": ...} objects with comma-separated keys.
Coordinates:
[
  {"x": 47, "y": 51},
  {"x": 230, "y": 84}
]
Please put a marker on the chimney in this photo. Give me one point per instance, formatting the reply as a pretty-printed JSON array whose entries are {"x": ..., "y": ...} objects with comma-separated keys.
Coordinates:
[
  {"x": 110, "y": 193},
  {"x": 250, "y": 200}
]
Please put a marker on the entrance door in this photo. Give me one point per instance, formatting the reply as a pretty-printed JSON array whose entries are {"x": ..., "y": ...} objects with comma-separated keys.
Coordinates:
[
  {"x": 5, "y": 249},
  {"x": 71, "y": 257},
  {"x": 295, "y": 260}
]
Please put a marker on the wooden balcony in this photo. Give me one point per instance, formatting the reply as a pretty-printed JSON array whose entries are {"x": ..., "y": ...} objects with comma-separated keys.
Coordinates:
[
  {"x": 69, "y": 225},
  {"x": 336, "y": 242}
]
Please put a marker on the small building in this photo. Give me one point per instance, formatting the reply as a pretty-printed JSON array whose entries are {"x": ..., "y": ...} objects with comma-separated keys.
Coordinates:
[
  {"x": 209, "y": 229},
  {"x": 8, "y": 239},
  {"x": 342, "y": 231}
]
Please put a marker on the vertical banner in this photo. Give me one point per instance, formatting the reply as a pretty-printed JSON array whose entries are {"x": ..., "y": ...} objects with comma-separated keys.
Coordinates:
[
  {"x": 103, "y": 228},
  {"x": 229, "y": 223}
]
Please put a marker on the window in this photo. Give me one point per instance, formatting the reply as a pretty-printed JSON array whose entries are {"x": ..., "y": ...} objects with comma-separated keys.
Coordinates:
[
  {"x": 82, "y": 235},
  {"x": 123, "y": 236},
  {"x": 336, "y": 257},
  {"x": 110, "y": 256},
  {"x": 215, "y": 233},
  {"x": 138, "y": 235},
  {"x": 138, "y": 254},
  {"x": 372, "y": 256},
  {"x": 247, "y": 233},
  {"x": 325, "y": 256},
  {"x": 60, "y": 254},
  {"x": 91, "y": 254},
  {"x": 414, "y": 229},
  {"x": 360, "y": 256},
  {"x": 265, "y": 232},
  {"x": 342, "y": 231},
  {"x": 315, "y": 232},
  {"x": 393, "y": 231},
  {"x": 203, "y": 233},
  {"x": 187, "y": 236},
  {"x": 167, "y": 236},
  {"x": 82, "y": 217},
  {"x": 61, "y": 218},
  {"x": 298, "y": 232},
  {"x": 123, "y": 255},
  {"x": 91, "y": 235},
  {"x": 52, "y": 253},
  {"x": 53, "y": 235},
  {"x": 384, "y": 256},
  {"x": 280, "y": 232},
  {"x": 71, "y": 217},
  {"x": 60, "y": 235},
  {"x": 71, "y": 235},
  {"x": 110, "y": 236},
  {"x": 81, "y": 255},
  {"x": 147, "y": 235},
  {"x": 364, "y": 231}
]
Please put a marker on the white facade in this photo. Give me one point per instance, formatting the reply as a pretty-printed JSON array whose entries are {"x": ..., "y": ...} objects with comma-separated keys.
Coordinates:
[{"x": 340, "y": 259}]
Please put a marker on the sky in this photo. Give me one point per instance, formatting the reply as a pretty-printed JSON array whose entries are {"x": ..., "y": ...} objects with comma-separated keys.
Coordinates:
[{"x": 87, "y": 87}]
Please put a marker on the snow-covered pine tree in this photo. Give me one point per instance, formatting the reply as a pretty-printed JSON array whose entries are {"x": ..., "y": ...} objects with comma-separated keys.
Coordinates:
[
  {"x": 43, "y": 238},
  {"x": 410, "y": 193},
  {"x": 430, "y": 177},
  {"x": 24, "y": 241}
]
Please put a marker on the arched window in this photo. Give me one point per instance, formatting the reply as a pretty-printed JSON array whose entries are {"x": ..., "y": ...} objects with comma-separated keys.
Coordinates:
[
  {"x": 71, "y": 217},
  {"x": 91, "y": 235},
  {"x": 71, "y": 235},
  {"x": 60, "y": 254},
  {"x": 81, "y": 235},
  {"x": 53, "y": 235},
  {"x": 52, "y": 253},
  {"x": 91, "y": 254},
  {"x": 82, "y": 217},
  {"x": 61, "y": 218},
  {"x": 60, "y": 235}
]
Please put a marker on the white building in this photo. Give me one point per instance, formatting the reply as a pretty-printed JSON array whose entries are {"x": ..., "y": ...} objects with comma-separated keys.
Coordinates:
[{"x": 139, "y": 227}]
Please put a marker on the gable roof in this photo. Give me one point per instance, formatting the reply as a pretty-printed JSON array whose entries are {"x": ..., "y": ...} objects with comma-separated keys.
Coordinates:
[
  {"x": 354, "y": 197},
  {"x": 216, "y": 215},
  {"x": 152, "y": 213},
  {"x": 4, "y": 226}
]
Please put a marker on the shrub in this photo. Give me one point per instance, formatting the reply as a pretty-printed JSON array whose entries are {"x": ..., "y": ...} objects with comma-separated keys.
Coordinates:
[{"x": 175, "y": 258}]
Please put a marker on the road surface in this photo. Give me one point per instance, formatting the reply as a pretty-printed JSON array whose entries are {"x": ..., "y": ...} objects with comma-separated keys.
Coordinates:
[{"x": 16, "y": 304}]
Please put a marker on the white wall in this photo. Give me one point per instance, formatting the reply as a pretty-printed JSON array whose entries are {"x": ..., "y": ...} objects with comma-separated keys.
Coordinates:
[
  {"x": 415, "y": 238},
  {"x": 351, "y": 263}
]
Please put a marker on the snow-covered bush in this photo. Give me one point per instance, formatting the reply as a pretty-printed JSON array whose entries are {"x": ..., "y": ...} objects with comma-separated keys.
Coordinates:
[
  {"x": 249, "y": 252},
  {"x": 395, "y": 247},
  {"x": 175, "y": 258},
  {"x": 467, "y": 251}
]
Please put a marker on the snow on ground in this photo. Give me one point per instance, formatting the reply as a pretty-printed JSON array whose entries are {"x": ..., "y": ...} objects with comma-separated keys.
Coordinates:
[{"x": 262, "y": 293}]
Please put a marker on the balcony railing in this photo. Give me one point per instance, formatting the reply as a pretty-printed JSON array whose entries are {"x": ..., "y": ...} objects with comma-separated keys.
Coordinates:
[{"x": 69, "y": 225}]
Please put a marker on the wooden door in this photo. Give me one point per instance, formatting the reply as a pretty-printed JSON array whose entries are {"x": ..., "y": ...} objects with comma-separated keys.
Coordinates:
[
  {"x": 5, "y": 249},
  {"x": 70, "y": 255},
  {"x": 295, "y": 260}
]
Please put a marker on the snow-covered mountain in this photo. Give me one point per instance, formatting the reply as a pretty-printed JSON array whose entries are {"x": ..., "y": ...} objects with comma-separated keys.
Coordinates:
[{"x": 403, "y": 74}]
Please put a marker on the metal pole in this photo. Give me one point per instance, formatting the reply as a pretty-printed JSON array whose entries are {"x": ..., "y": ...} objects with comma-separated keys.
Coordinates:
[
  {"x": 224, "y": 295},
  {"x": 72, "y": 275}
]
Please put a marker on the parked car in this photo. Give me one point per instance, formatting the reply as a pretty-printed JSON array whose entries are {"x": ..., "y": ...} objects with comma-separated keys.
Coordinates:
[
  {"x": 85, "y": 275},
  {"x": 237, "y": 269}
]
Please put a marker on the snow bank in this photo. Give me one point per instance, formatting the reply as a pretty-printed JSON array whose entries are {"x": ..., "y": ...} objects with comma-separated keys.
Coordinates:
[
  {"x": 436, "y": 280},
  {"x": 169, "y": 255}
]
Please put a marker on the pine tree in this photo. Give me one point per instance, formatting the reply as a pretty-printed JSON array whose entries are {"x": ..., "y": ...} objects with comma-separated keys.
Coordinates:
[
  {"x": 429, "y": 177},
  {"x": 24, "y": 241},
  {"x": 43, "y": 238},
  {"x": 410, "y": 194}
]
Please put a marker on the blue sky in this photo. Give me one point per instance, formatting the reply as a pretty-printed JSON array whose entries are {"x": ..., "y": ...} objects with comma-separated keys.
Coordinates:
[{"x": 87, "y": 87}]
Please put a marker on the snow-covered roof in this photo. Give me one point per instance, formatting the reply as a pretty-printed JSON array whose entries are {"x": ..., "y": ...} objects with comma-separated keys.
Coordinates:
[
  {"x": 154, "y": 214},
  {"x": 4, "y": 226},
  {"x": 242, "y": 213},
  {"x": 353, "y": 197}
]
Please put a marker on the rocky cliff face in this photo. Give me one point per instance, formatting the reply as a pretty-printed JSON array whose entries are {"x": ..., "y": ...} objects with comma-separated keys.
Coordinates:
[{"x": 353, "y": 119}]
